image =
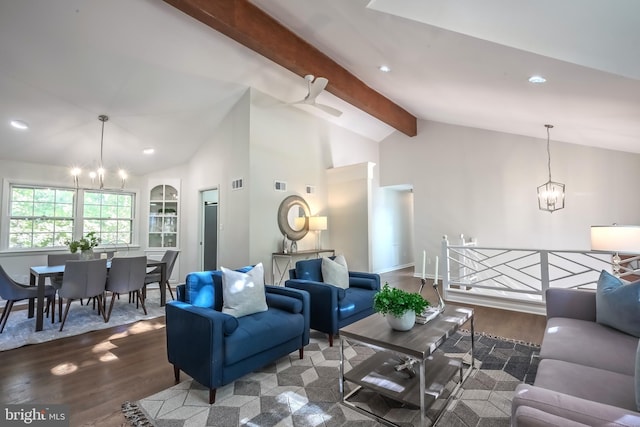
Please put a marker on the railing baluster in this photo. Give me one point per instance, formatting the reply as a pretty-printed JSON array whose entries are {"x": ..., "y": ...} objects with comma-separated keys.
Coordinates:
[{"x": 544, "y": 273}]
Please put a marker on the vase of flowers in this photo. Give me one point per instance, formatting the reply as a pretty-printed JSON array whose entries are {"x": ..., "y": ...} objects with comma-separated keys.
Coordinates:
[
  {"x": 399, "y": 307},
  {"x": 85, "y": 245}
]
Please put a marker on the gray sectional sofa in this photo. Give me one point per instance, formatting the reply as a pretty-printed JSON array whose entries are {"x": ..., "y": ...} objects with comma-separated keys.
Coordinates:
[{"x": 588, "y": 372}]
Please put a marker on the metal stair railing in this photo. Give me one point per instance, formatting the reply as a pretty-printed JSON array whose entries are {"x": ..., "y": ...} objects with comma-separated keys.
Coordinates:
[{"x": 517, "y": 279}]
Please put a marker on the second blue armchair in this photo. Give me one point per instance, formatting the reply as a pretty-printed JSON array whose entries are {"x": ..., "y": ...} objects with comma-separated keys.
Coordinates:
[{"x": 333, "y": 307}]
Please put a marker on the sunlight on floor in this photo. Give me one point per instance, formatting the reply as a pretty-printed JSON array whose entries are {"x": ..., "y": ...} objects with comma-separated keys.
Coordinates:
[
  {"x": 137, "y": 328},
  {"x": 64, "y": 369},
  {"x": 295, "y": 402},
  {"x": 103, "y": 349},
  {"x": 108, "y": 357},
  {"x": 103, "y": 346}
]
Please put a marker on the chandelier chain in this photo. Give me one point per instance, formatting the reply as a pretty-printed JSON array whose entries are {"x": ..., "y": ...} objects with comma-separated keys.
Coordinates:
[
  {"x": 103, "y": 118},
  {"x": 548, "y": 150}
]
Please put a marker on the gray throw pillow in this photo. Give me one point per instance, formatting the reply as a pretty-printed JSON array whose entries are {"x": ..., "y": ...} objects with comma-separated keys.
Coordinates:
[
  {"x": 618, "y": 304},
  {"x": 243, "y": 293},
  {"x": 335, "y": 272}
]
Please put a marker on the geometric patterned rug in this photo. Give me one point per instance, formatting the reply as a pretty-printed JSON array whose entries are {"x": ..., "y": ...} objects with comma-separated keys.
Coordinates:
[{"x": 300, "y": 393}]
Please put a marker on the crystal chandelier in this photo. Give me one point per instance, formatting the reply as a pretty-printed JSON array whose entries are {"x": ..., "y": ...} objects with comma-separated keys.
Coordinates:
[
  {"x": 100, "y": 172},
  {"x": 551, "y": 193}
]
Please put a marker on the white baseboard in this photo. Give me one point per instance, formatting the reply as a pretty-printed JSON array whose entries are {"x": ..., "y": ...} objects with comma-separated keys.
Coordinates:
[{"x": 462, "y": 297}]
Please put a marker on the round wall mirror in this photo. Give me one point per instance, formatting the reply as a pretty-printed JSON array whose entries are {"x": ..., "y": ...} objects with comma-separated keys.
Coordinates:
[{"x": 293, "y": 216}]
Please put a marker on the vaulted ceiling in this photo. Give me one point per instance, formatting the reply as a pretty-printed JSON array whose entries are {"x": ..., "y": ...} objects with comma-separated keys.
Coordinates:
[{"x": 166, "y": 79}]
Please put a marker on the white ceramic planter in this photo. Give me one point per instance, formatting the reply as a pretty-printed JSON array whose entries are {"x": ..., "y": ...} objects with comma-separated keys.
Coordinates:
[{"x": 403, "y": 323}]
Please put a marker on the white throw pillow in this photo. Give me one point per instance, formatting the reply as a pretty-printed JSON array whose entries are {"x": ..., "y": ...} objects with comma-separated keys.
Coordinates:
[
  {"x": 243, "y": 293},
  {"x": 335, "y": 272}
]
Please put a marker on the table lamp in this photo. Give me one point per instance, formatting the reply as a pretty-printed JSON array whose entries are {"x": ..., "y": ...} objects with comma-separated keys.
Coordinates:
[
  {"x": 617, "y": 239},
  {"x": 317, "y": 224}
]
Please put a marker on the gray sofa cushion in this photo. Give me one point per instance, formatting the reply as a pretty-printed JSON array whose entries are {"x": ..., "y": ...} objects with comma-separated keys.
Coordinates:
[
  {"x": 531, "y": 417},
  {"x": 588, "y": 383},
  {"x": 618, "y": 304},
  {"x": 590, "y": 344},
  {"x": 571, "y": 408}
]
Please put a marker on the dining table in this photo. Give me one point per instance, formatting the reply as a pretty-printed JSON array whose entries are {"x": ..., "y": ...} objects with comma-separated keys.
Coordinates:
[{"x": 38, "y": 274}]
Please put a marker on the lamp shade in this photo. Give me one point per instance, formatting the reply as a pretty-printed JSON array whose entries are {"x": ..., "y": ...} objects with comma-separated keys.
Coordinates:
[
  {"x": 317, "y": 223},
  {"x": 299, "y": 222},
  {"x": 615, "y": 238}
]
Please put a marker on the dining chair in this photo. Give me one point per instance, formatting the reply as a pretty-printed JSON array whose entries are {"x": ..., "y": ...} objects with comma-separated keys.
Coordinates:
[
  {"x": 56, "y": 281},
  {"x": 153, "y": 276},
  {"x": 126, "y": 275},
  {"x": 83, "y": 279},
  {"x": 12, "y": 291}
]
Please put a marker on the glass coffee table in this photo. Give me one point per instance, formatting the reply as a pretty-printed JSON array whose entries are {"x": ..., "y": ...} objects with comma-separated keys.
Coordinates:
[{"x": 404, "y": 366}]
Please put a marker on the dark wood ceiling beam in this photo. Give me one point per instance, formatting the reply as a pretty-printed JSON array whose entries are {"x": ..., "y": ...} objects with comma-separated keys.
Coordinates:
[{"x": 250, "y": 26}]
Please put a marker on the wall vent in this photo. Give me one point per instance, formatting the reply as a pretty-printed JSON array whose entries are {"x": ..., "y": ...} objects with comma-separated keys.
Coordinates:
[
  {"x": 280, "y": 186},
  {"x": 311, "y": 189},
  {"x": 237, "y": 184}
]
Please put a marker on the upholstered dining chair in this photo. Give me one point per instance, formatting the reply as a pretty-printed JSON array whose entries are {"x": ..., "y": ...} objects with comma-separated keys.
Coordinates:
[
  {"x": 126, "y": 275},
  {"x": 83, "y": 279},
  {"x": 153, "y": 276},
  {"x": 12, "y": 291},
  {"x": 56, "y": 281}
]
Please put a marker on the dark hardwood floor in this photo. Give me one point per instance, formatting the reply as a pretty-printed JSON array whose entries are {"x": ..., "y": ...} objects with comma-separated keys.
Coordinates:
[{"x": 95, "y": 373}]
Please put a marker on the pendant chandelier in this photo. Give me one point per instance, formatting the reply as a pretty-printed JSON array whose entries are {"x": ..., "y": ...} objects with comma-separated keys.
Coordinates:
[
  {"x": 550, "y": 194},
  {"x": 99, "y": 173}
]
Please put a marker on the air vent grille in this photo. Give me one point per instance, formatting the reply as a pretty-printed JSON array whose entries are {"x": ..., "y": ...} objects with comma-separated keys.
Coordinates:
[{"x": 237, "y": 184}]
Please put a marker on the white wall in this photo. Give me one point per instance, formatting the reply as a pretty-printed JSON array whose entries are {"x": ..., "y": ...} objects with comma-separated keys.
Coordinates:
[
  {"x": 261, "y": 141},
  {"x": 289, "y": 145},
  {"x": 392, "y": 235},
  {"x": 222, "y": 157},
  {"x": 294, "y": 146},
  {"x": 483, "y": 184},
  {"x": 350, "y": 210}
]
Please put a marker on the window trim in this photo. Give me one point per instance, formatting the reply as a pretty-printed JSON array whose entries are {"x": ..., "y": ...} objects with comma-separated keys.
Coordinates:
[{"x": 78, "y": 218}]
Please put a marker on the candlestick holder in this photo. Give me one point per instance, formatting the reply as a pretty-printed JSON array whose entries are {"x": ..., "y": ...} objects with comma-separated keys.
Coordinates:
[{"x": 430, "y": 313}]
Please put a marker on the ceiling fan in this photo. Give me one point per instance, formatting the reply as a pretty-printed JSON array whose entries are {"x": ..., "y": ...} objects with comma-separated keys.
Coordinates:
[{"x": 315, "y": 86}]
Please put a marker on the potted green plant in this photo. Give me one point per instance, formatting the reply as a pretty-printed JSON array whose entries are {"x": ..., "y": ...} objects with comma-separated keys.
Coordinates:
[
  {"x": 86, "y": 244},
  {"x": 400, "y": 306}
]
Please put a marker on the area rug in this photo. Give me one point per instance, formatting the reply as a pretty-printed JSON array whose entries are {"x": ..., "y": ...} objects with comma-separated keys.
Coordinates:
[
  {"x": 301, "y": 393},
  {"x": 20, "y": 330}
]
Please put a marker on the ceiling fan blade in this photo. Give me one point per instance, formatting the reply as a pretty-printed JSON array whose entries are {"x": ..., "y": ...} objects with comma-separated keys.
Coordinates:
[
  {"x": 316, "y": 87},
  {"x": 329, "y": 110}
]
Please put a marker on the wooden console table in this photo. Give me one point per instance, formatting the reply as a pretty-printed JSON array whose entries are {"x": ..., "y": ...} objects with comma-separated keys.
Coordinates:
[{"x": 279, "y": 270}]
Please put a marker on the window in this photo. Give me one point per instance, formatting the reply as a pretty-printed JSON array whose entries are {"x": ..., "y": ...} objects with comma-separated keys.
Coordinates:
[
  {"x": 43, "y": 217},
  {"x": 109, "y": 215},
  {"x": 40, "y": 217}
]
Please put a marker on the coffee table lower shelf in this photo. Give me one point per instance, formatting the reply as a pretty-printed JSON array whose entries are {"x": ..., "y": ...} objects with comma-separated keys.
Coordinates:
[{"x": 378, "y": 374}]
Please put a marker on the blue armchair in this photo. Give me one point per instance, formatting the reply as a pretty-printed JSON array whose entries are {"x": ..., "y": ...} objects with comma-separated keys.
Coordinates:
[
  {"x": 215, "y": 348},
  {"x": 333, "y": 307}
]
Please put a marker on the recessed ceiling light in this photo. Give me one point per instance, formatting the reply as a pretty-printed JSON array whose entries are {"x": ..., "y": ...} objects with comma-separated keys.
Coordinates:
[
  {"x": 148, "y": 151},
  {"x": 537, "y": 79},
  {"x": 19, "y": 124},
  {"x": 384, "y": 68}
]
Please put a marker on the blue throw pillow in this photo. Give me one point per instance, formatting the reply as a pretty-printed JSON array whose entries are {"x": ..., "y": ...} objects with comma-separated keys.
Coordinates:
[{"x": 618, "y": 304}]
